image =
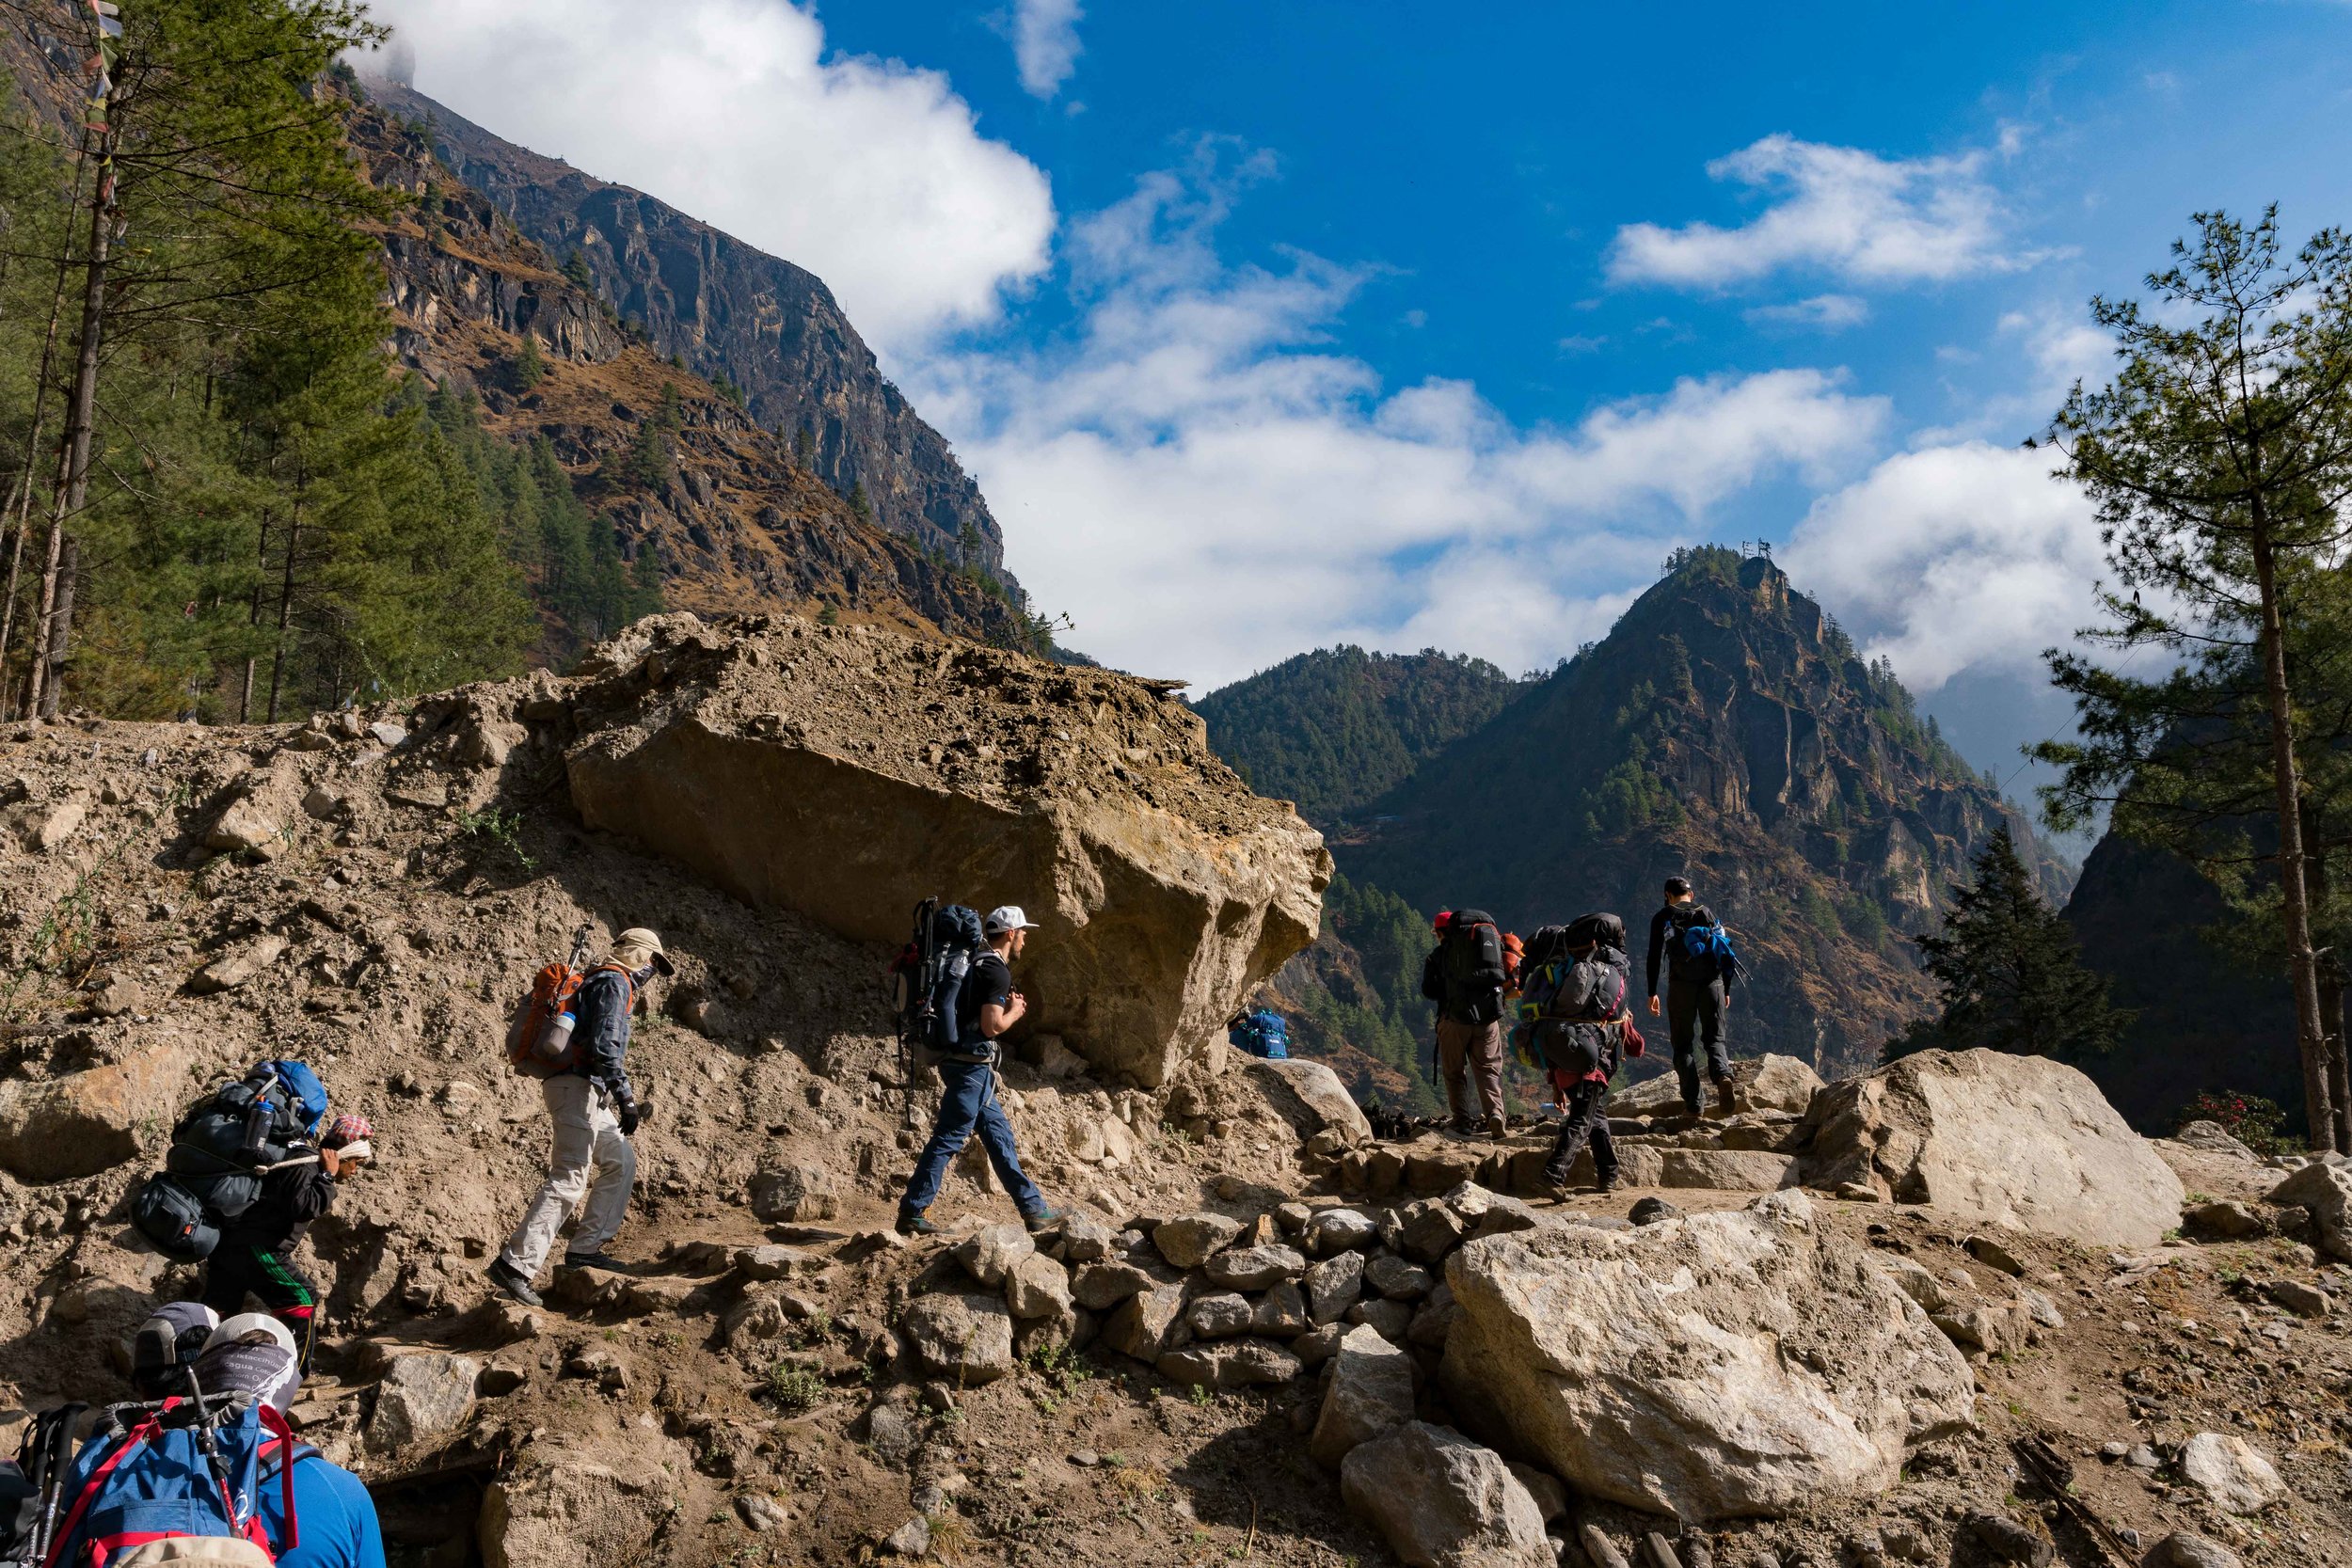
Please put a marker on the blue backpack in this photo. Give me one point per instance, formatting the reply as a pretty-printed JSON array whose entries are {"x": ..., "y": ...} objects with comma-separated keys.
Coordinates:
[
  {"x": 166, "y": 1471},
  {"x": 1710, "y": 945},
  {"x": 1261, "y": 1034}
]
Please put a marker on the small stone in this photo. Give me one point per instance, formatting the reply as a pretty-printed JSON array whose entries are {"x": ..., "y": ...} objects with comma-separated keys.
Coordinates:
[
  {"x": 798, "y": 1195},
  {"x": 1336, "y": 1231},
  {"x": 1085, "y": 1240},
  {"x": 911, "y": 1538},
  {"x": 2306, "y": 1301},
  {"x": 773, "y": 1262},
  {"x": 1333, "y": 1284},
  {"x": 2005, "y": 1539},
  {"x": 1993, "y": 1254},
  {"x": 1085, "y": 1458},
  {"x": 1038, "y": 1287},
  {"x": 1191, "y": 1240},
  {"x": 2184, "y": 1550},
  {"x": 1653, "y": 1211},
  {"x": 1389, "y": 1318},
  {"x": 1292, "y": 1217},
  {"x": 1859, "y": 1191},
  {"x": 388, "y": 735},
  {"x": 889, "y": 1432},
  {"x": 1220, "y": 1316},
  {"x": 762, "y": 1513},
  {"x": 2141, "y": 1457},
  {"x": 1395, "y": 1278},
  {"x": 234, "y": 970},
  {"x": 2230, "y": 1473},
  {"x": 1254, "y": 1268}
]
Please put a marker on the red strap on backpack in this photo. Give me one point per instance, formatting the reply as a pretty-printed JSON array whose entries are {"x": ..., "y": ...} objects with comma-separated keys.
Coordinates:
[{"x": 66, "y": 1527}]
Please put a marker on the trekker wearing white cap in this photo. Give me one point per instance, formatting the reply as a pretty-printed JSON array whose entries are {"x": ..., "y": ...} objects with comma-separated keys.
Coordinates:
[
  {"x": 986, "y": 1007},
  {"x": 595, "y": 1114}
]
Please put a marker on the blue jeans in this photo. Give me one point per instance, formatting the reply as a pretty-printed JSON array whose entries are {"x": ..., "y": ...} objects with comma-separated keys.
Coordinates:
[{"x": 970, "y": 1101}]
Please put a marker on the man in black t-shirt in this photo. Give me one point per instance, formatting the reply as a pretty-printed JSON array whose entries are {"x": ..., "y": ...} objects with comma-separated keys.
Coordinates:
[
  {"x": 986, "y": 1007},
  {"x": 1698, "y": 996}
]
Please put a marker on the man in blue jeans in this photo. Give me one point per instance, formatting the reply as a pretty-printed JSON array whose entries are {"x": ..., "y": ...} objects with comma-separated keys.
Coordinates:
[{"x": 986, "y": 1007}]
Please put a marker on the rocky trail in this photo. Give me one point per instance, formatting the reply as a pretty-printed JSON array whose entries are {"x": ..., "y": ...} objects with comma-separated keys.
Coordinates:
[{"x": 1950, "y": 1312}]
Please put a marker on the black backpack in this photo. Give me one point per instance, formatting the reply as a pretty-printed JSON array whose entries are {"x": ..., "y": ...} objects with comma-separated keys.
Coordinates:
[
  {"x": 948, "y": 939},
  {"x": 221, "y": 1151},
  {"x": 1473, "y": 967}
]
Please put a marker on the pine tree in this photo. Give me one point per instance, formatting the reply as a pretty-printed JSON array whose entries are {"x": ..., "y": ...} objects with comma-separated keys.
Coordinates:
[
  {"x": 530, "y": 368},
  {"x": 2220, "y": 460},
  {"x": 2010, "y": 975}
]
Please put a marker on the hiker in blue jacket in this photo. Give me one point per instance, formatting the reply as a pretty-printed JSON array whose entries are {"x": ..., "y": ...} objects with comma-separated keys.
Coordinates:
[
  {"x": 335, "y": 1521},
  {"x": 1698, "y": 996}
]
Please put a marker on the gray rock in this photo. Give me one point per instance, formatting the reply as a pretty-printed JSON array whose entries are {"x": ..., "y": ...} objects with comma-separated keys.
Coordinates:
[
  {"x": 966, "y": 1339},
  {"x": 2306, "y": 1301},
  {"x": 1293, "y": 1217},
  {"x": 1395, "y": 1278},
  {"x": 1914, "y": 1280},
  {"x": 1190, "y": 1239},
  {"x": 234, "y": 970},
  {"x": 988, "y": 1253},
  {"x": 388, "y": 735},
  {"x": 1318, "y": 1345},
  {"x": 1142, "y": 1326},
  {"x": 1725, "y": 1325},
  {"x": 1551, "y": 1498},
  {"x": 1333, "y": 1284},
  {"x": 793, "y": 1194},
  {"x": 1086, "y": 1240},
  {"x": 1368, "y": 1391},
  {"x": 1255, "y": 1268},
  {"x": 1429, "y": 1229},
  {"x": 1280, "y": 1313},
  {"x": 1221, "y": 1315},
  {"x": 2040, "y": 1308},
  {"x": 1390, "y": 1319},
  {"x": 2214, "y": 1138},
  {"x": 1261, "y": 1362},
  {"x": 2326, "y": 1190},
  {"x": 2230, "y": 1473},
  {"x": 1443, "y": 1501},
  {"x": 1311, "y": 1097},
  {"x": 2005, "y": 1539},
  {"x": 761, "y": 1513},
  {"x": 1336, "y": 1231},
  {"x": 1101, "y": 1286},
  {"x": 1487, "y": 1213},
  {"x": 1197, "y": 1364},
  {"x": 890, "y": 1433},
  {"x": 774, "y": 1263},
  {"x": 422, "y": 1395},
  {"x": 2183, "y": 1550},
  {"x": 1037, "y": 1287},
  {"x": 1653, "y": 1211},
  {"x": 1993, "y": 1254},
  {"x": 2225, "y": 1220}
]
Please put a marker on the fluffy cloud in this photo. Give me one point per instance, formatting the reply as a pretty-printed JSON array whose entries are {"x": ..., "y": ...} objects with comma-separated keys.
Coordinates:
[
  {"x": 1840, "y": 210},
  {"x": 1953, "y": 558},
  {"x": 869, "y": 172},
  {"x": 1212, "y": 488},
  {"x": 1045, "y": 44}
]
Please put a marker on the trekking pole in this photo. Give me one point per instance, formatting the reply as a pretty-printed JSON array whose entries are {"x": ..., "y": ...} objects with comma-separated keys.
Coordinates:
[
  {"x": 50, "y": 1462},
  {"x": 581, "y": 943}
]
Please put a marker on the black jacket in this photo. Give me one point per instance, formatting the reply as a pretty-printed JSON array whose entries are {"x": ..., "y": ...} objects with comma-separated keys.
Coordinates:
[
  {"x": 602, "y": 1006},
  {"x": 1688, "y": 975},
  {"x": 292, "y": 1196}
]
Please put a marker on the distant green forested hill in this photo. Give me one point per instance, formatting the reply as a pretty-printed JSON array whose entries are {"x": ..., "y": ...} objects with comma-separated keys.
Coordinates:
[{"x": 1334, "y": 729}]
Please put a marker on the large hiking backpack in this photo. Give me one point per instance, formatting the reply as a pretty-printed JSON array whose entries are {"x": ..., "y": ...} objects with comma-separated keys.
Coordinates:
[
  {"x": 928, "y": 985},
  {"x": 176, "y": 1481},
  {"x": 1261, "y": 1034},
  {"x": 1570, "y": 1007},
  {"x": 221, "y": 1151},
  {"x": 1473, "y": 966},
  {"x": 543, "y": 1038}
]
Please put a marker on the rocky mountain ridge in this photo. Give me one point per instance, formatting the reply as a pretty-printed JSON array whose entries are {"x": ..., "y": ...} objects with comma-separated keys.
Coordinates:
[
  {"x": 735, "y": 315},
  {"x": 1726, "y": 730}
]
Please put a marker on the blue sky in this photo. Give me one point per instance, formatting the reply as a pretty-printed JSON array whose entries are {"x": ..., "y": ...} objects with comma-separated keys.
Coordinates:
[{"x": 1268, "y": 326}]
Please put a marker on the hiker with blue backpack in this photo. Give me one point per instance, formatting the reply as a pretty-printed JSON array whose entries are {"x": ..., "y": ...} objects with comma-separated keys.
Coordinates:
[
  {"x": 1700, "y": 970},
  {"x": 958, "y": 1004},
  {"x": 202, "y": 1467},
  {"x": 1260, "y": 1033}
]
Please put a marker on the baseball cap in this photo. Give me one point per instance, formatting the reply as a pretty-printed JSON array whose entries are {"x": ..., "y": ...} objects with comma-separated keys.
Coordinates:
[
  {"x": 645, "y": 945},
  {"x": 167, "y": 1341},
  {"x": 1008, "y": 917}
]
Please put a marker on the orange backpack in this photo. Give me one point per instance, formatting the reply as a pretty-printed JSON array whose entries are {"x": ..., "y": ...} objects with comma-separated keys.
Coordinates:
[{"x": 542, "y": 1041}]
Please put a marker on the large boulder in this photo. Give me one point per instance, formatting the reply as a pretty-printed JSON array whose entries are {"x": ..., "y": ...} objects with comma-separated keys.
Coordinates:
[
  {"x": 1991, "y": 1138},
  {"x": 1768, "y": 1083},
  {"x": 1713, "y": 1366},
  {"x": 2326, "y": 1190},
  {"x": 88, "y": 1121},
  {"x": 1441, "y": 1502},
  {"x": 603, "y": 1501},
  {"x": 1311, "y": 1097},
  {"x": 1368, "y": 1391},
  {"x": 847, "y": 773},
  {"x": 965, "y": 1339}
]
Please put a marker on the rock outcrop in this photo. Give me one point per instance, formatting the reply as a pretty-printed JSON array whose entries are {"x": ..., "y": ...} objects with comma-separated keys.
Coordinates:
[
  {"x": 848, "y": 774},
  {"x": 1444, "y": 1502},
  {"x": 1994, "y": 1139},
  {"x": 1709, "y": 1366},
  {"x": 1767, "y": 1082}
]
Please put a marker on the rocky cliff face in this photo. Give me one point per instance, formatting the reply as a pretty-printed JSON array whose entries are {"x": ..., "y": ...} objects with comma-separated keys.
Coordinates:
[
  {"x": 731, "y": 312},
  {"x": 734, "y": 522},
  {"x": 1725, "y": 728}
]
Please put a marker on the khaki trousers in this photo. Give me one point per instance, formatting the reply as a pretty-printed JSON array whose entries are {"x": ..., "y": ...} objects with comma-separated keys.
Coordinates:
[
  {"x": 588, "y": 1139},
  {"x": 1478, "y": 1048}
]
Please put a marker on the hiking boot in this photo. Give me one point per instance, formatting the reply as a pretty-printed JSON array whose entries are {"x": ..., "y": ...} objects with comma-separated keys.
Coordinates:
[
  {"x": 1606, "y": 1183},
  {"x": 1722, "y": 1096},
  {"x": 1556, "y": 1178},
  {"x": 1496, "y": 1128},
  {"x": 1462, "y": 1127},
  {"x": 1692, "y": 1106},
  {"x": 1045, "y": 1219},
  {"x": 597, "y": 1260},
  {"x": 510, "y": 1279},
  {"x": 916, "y": 1225}
]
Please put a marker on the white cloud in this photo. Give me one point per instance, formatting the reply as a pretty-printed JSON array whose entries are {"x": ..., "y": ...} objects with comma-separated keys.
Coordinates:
[
  {"x": 1841, "y": 211},
  {"x": 1210, "y": 487},
  {"x": 871, "y": 173},
  {"x": 1045, "y": 44},
  {"x": 1821, "y": 313},
  {"x": 1962, "y": 557}
]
